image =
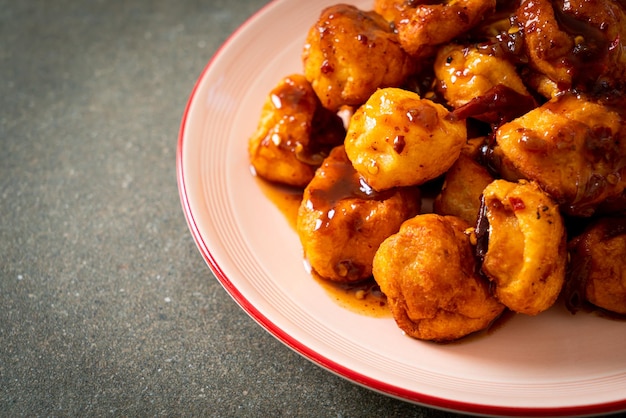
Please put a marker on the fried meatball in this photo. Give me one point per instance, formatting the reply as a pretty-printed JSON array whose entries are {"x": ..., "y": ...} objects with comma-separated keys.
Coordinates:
[
  {"x": 464, "y": 73},
  {"x": 546, "y": 43},
  {"x": 427, "y": 271},
  {"x": 525, "y": 255},
  {"x": 597, "y": 271},
  {"x": 349, "y": 53},
  {"x": 398, "y": 139},
  {"x": 480, "y": 85},
  {"x": 573, "y": 147},
  {"x": 423, "y": 26},
  {"x": 599, "y": 49},
  {"x": 294, "y": 134},
  {"x": 462, "y": 188},
  {"x": 342, "y": 220},
  {"x": 576, "y": 44}
]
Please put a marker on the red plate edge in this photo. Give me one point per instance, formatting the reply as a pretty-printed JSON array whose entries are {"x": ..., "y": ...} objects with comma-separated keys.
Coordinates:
[{"x": 320, "y": 360}]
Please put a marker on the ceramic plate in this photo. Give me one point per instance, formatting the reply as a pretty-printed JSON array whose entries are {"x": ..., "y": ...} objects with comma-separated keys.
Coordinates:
[{"x": 555, "y": 364}]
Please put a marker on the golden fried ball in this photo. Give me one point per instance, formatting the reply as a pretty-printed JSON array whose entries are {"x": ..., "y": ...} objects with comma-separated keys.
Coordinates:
[
  {"x": 422, "y": 26},
  {"x": 462, "y": 189},
  {"x": 526, "y": 252},
  {"x": 398, "y": 139},
  {"x": 573, "y": 147},
  {"x": 602, "y": 60},
  {"x": 546, "y": 42},
  {"x": 294, "y": 134},
  {"x": 598, "y": 264},
  {"x": 577, "y": 44},
  {"x": 342, "y": 221},
  {"x": 427, "y": 271},
  {"x": 464, "y": 73},
  {"x": 349, "y": 53}
]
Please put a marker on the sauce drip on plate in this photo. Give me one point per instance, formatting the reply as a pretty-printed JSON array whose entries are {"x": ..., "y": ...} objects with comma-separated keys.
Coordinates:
[{"x": 364, "y": 297}]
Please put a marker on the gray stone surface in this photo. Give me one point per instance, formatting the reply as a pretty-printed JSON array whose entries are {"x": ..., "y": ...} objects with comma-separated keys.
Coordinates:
[{"x": 107, "y": 307}]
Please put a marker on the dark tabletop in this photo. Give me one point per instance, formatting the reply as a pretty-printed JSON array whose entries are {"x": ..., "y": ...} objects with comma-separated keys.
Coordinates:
[{"x": 107, "y": 307}]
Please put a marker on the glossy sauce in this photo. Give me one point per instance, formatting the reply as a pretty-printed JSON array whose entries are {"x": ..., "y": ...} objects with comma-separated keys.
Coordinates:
[
  {"x": 286, "y": 199},
  {"x": 363, "y": 298},
  {"x": 296, "y": 101},
  {"x": 346, "y": 184},
  {"x": 588, "y": 58}
]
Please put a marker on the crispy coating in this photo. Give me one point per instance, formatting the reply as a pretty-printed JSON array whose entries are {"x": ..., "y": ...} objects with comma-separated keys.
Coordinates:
[
  {"x": 349, "y": 53},
  {"x": 342, "y": 221},
  {"x": 597, "y": 270},
  {"x": 605, "y": 36},
  {"x": 422, "y": 26},
  {"x": 398, "y": 139},
  {"x": 462, "y": 189},
  {"x": 546, "y": 43},
  {"x": 427, "y": 271},
  {"x": 542, "y": 80},
  {"x": 294, "y": 134},
  {"x": 481, "y": 83},
  {"x": 573, "y": 147},
  {"x": 526, "y": 252},
  {"x": 464, "y": 73},
  {"x": 575, "y": 44}
]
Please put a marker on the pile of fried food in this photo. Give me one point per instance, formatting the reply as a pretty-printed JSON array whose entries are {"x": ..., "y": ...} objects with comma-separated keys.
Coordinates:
[{"x": 512, "y": 111}]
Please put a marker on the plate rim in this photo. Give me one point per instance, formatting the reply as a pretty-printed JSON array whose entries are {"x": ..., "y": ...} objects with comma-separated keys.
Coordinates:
[{"x": 301, "y": 348}]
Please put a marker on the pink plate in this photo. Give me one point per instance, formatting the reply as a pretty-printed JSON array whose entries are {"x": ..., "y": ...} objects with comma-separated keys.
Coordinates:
[{"x": 555, "y": 364}]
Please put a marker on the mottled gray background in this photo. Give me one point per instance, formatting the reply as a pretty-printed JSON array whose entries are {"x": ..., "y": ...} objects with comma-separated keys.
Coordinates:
[{"x": 107, "y": 307}]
